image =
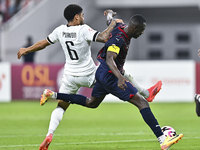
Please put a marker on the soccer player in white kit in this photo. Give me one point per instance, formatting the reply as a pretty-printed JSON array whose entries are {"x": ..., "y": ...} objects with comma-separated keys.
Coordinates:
[{"x": 79, "y": 71}]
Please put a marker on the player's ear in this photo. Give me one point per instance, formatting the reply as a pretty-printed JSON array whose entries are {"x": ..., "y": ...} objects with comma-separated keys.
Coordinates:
[{"x": 76, "y": 17}]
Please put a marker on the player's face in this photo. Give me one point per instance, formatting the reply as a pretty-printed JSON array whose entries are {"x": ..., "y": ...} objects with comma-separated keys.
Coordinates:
[
  {"x": 81, "y": 18},
  {"x": 139, "y": 30}
]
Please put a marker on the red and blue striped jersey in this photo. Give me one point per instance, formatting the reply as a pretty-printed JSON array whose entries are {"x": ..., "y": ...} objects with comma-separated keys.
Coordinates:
[{"x": 119, "y": 38}]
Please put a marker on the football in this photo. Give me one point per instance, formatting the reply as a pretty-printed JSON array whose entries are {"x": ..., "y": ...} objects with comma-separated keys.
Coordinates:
[{"x": 168, "y": 131}]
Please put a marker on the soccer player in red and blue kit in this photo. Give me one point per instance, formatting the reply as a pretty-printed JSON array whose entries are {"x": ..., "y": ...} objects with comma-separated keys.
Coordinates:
[
  {"x": 107, "y": 80},
  {"x": 110, "y": 79}
]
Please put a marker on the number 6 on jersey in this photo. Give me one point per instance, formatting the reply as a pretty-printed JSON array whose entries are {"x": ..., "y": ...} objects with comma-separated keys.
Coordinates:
[{"x": 71, "y": 51}]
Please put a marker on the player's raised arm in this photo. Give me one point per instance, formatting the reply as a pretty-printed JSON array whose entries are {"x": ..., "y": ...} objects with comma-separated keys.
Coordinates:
[
  {"x": 36, "y": 47},
  {"x": 109, "y": 14},
  {"x": 104, "y": 36}
]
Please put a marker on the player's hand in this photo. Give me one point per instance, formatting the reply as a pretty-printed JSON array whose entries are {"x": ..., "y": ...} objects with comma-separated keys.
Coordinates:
[
  {"x": 199, "y": 52},
  {"x": 109, "y": 11},
  {"x": 118, "y": 20},
  {"x": 22, "y": 51},
  {"x": 122, "y": 83}
]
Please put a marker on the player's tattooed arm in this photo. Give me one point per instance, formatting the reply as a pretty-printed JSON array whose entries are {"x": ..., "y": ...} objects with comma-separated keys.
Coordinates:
[{"x": 103, "y": 36}]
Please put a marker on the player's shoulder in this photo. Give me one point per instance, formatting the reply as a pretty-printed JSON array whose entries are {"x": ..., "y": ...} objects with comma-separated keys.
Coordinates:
[
  {"x": 86, "y": 29},
  {"x": 60, "y": 27},
  {"x": 85, "y": 26},
  {"x": 65, "y": 27},
  {"x": 121, "y": 25}
]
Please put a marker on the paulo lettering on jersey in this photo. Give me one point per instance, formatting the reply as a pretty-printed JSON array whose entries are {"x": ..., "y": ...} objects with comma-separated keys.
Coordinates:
[{"x": 69, "y": 35}]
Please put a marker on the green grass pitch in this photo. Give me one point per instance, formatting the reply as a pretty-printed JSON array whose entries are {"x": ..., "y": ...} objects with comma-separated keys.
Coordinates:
[{"x": 112, "y": 126}]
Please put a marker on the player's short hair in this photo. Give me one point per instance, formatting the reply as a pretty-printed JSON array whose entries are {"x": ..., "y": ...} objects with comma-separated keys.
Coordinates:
[
  {"x": 71, "y": 10},
  {"x": 137, "y": 20}
]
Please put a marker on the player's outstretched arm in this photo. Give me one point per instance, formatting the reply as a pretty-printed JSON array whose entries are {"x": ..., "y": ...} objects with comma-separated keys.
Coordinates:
[
  {"x": 103, "y": 36},
  {"x": 36, "y": 47}
]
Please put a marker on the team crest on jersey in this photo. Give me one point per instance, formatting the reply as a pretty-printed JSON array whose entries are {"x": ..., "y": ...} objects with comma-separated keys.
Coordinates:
[{"x": 90, "y": 29}]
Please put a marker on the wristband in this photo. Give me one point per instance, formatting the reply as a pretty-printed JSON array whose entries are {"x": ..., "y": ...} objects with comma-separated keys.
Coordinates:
[{"x": 109, "y": 16}]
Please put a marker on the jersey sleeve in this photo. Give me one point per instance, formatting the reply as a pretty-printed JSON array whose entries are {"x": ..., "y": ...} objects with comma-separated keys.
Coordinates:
[
  {"x": 113, "y": 48},
  {"x": 53, "y": 37},
  {"x": 89, "y": 34},
  {"x": 114, "y": 44}
]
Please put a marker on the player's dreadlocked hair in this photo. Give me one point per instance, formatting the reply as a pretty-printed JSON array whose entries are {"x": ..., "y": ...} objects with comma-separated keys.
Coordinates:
[{"x": 71, "y": 10}]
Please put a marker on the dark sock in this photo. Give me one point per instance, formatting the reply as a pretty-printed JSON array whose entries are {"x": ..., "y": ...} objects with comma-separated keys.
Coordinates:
[
  {"x": 151, "y": 121},
  {"x": 72, "y": 98}
]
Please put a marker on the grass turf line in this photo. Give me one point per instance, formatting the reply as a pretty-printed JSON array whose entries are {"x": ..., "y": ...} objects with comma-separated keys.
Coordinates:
[{"x": 112, "y": 126}]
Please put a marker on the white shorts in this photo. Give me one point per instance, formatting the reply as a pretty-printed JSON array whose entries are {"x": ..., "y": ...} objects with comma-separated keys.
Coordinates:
[{"x": 71, "y": 84}]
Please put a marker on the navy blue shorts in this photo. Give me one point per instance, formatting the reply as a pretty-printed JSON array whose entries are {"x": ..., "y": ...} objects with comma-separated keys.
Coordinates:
[{"x": 106, "y": 83}]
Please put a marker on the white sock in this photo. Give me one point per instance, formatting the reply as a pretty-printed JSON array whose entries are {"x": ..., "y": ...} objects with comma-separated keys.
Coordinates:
[
  {"x": 54, "y": 96},
  {"x": 161, "y": 139},
  {"x": 144, "y": 92},
  {"x": 56, "y": 117}
]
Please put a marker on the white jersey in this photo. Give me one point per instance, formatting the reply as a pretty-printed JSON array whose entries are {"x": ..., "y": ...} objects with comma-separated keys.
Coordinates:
[{"x": 76, "y": 44}]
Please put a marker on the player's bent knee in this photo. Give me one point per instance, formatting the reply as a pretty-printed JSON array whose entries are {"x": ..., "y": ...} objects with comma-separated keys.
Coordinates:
[
  {"x": 91, "y": 104},
  {"x": 63, "y": 104},
  {"x": 139, "y": 102},
  {"x": 94, "y": 102}
]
